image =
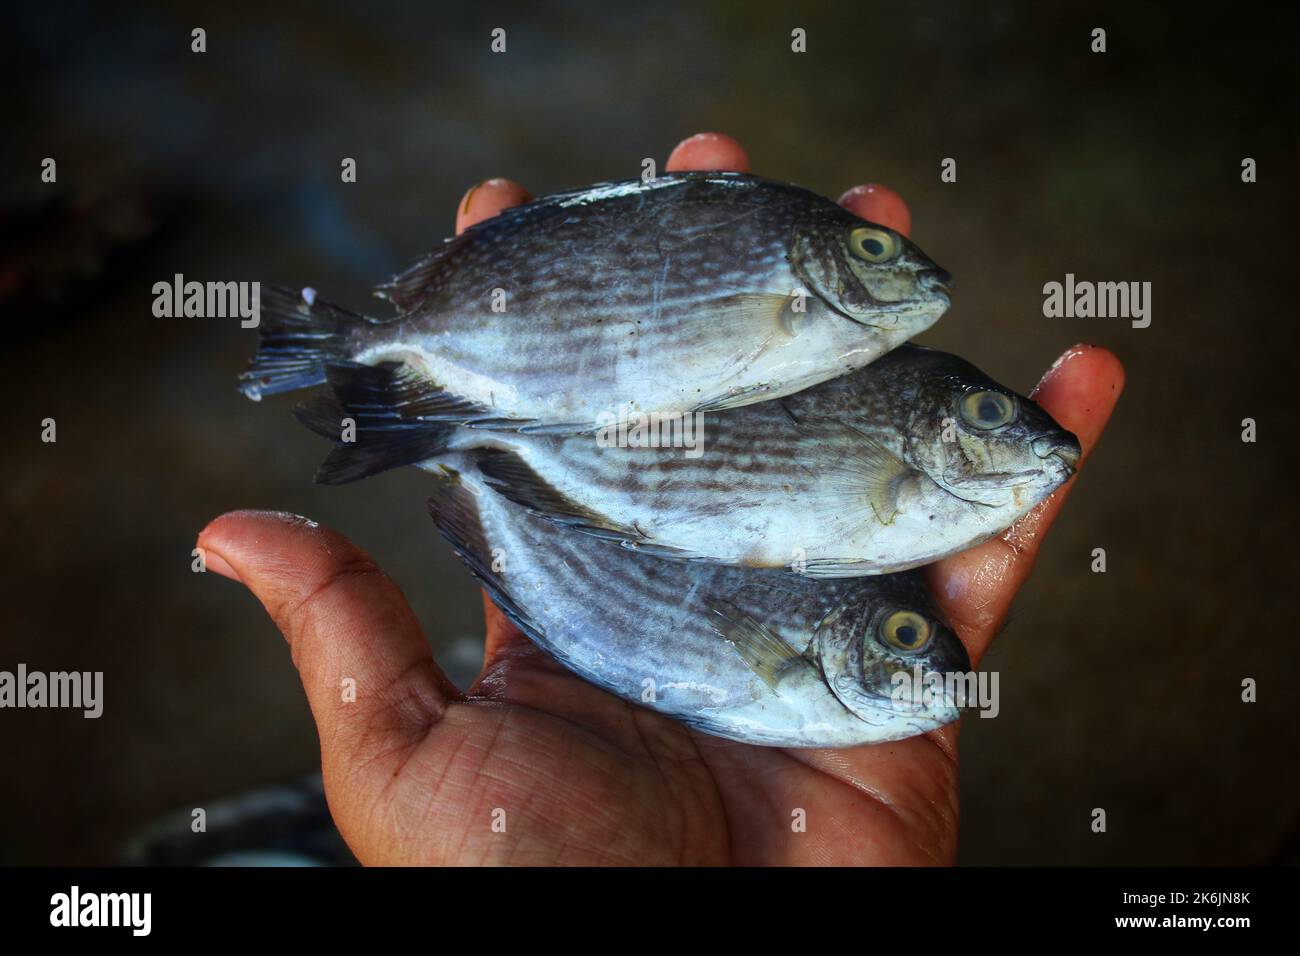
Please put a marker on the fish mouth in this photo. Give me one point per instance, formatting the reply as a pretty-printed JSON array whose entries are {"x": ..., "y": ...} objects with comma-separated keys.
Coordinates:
[
  {"x": 938, "y": 282},
  {"x": 900, "y": 313},
  {"x": 937, "y": 286},
  {"x": 1059, "y": 454}
]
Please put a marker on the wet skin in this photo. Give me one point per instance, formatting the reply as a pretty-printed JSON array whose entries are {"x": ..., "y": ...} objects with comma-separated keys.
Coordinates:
[{"x": 415, "y": 768}]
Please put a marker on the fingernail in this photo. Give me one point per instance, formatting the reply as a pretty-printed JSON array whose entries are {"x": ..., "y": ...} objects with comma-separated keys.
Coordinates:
[
  {"x": 469, "y": 194},
  {"x": 879, "y": 204}
]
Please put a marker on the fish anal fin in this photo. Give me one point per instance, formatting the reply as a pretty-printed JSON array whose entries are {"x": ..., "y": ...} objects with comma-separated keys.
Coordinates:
[
  {"x": 376, "y": 417},
  {"x": 836, "y": 568},
  {"x": 512, "y": 477},
  {"x": 733, "y": 398},
  {"x": 454, "y": 508},
  {"x": 396, "y": 389}
]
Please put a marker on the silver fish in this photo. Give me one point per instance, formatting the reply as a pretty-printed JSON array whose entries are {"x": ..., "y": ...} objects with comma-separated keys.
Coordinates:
[
  {"x": 758, "y": 656},
  {"x": 694, "y": 291},
  {"x": 916, "y": 457}
]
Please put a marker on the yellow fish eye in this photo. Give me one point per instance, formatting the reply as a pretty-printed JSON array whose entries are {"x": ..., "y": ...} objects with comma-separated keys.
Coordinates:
[
  {"x": 906, "y": 631},
  {"x": 988, "y": 409},
  {"x": 874, "y": 245}
]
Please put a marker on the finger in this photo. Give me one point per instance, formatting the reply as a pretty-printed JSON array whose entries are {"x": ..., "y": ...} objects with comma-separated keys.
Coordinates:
[
  {"x": 975, "y": 588},
  {"x": 879, "y": 204},
  {"x": 349, "y": 629},
  {"x": 502, "y": 634},
  {"x": 487, "y": 199},
  {"x": 706, "y": 152}
]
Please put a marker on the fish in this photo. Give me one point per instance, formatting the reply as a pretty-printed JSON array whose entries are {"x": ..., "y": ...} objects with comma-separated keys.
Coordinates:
[
  {"x": 913, "y": 458},
  {"x": 756, "y": 656},
  {"x": 688, "y": 292}
]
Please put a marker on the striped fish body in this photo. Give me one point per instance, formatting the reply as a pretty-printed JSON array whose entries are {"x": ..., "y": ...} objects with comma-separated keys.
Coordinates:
[
  {"x": 758, "y": 656},
  {"x": 691, "y": 291},
  {"x": 845, "y": 479}
]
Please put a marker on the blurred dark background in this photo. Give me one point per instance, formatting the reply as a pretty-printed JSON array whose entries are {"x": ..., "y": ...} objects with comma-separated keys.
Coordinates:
[{"x": 1119, "y": 690}]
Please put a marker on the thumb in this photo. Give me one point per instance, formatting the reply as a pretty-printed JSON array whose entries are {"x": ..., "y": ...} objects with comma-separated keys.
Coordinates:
[{"x": 370, "y": 678}]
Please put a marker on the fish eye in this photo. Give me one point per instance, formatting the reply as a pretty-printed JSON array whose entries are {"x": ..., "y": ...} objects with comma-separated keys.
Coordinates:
[
  {"x": 905, "y": 631},
  {"x": 988, "y": 409},
  {"x": 874, "y": 245}
]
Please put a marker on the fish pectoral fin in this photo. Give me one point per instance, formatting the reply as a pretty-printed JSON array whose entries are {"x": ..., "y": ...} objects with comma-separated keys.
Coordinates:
[
  {"x": 757, "y": 310},
  {"x": 884, "y": 476},
  {"x": 766, "y": 654},
  {"x": 454, "y": 509},
  {"x": 757, "y": 321},
  {"x": 868, "y": 473}
]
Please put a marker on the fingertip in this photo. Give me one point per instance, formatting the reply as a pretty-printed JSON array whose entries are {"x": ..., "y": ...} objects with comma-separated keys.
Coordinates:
[
  {"x": 214, "y": 562},
  {"x": 1093, "y": 361},
  {"x": 706, "y": 152},
  {"x": 975, "y": 588},
  {"x": 273, "y": 552},
  {"x": 879, "y": 204},
  {"x": 1081, "y": 389},
  {"x": 230, "y": 534},
  {"x": 487, "y": 199},
  {"x": 215, "y": 540}
]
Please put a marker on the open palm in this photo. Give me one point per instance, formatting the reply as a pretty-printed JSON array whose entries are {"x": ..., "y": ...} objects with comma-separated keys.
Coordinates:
[{"x": 532, "y": 765}]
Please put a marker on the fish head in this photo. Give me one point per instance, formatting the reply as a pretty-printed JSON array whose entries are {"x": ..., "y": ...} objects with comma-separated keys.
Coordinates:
[
  {"x": 870, "y": 273},
  {"x": 979, "y": 440},
  {"x": 883, "y": 649}
]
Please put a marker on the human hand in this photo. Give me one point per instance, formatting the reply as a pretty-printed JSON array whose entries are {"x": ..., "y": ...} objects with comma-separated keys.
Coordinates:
[{"x": 417, "y": 772}]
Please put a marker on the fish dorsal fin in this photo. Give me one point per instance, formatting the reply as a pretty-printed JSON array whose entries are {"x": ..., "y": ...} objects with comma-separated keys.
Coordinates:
[{"x": 766, "y": 654}]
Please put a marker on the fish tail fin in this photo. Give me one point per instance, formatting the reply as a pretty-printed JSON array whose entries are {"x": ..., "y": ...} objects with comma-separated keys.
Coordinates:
[
  {"x": 456, "y": 510},
  {"x": 367, "y": 414},
  {"x": 300, "y": 335}
]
